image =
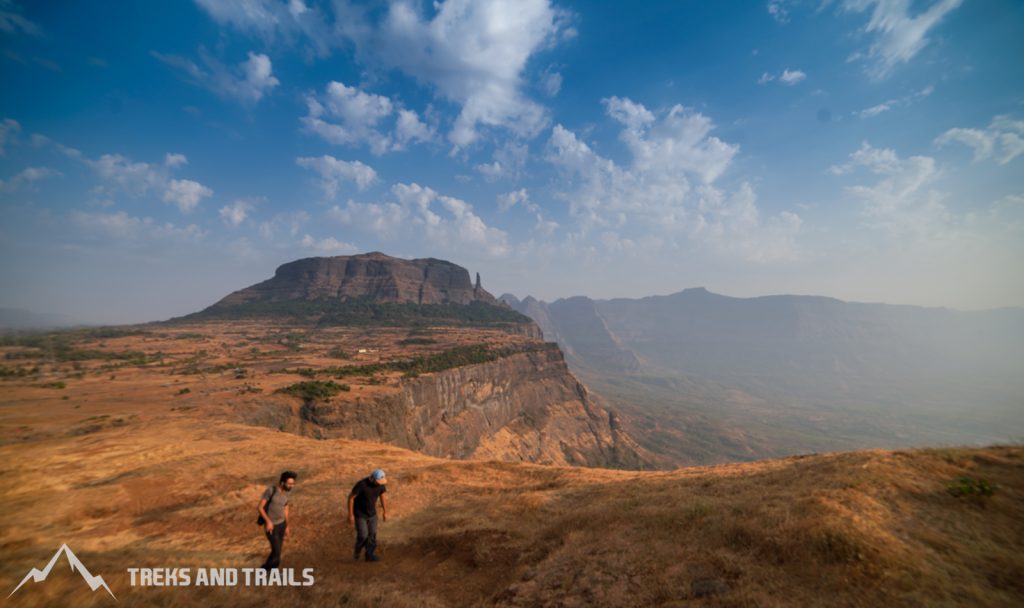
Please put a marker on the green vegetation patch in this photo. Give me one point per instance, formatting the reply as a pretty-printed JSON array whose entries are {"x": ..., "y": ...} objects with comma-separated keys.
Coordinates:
[
  {"x": 312, "y": 390},
  {"x": 416, "y": 342},
  {"x": 7, "y": 373},
  {"x": 57, "y": 385},
  {"x": 970, "y": 488},
  {"x": 459, "y": 356}
]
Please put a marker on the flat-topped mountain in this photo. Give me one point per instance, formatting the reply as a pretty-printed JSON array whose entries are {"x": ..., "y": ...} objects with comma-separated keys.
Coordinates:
[{"x": 374, "y": 276}]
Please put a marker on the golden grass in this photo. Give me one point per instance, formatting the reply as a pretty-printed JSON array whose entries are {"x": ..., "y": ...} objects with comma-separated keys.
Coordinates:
[{"x": 175, "y": 484}]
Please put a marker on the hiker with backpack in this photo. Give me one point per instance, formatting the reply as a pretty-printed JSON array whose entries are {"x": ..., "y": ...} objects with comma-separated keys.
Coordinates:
[
  {"x": 362, "y": 512},
  {"x": 273, "y": 510}
]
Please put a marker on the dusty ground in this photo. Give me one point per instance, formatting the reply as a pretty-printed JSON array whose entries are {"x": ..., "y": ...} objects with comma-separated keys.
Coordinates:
[{"x": 130, "y": 473}]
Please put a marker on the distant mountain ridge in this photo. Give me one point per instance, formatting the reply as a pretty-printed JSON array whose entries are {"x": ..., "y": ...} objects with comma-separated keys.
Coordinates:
[{"x": 906, "y": 374}]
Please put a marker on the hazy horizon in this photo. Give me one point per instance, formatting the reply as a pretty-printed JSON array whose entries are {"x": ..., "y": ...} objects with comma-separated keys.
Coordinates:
[{"x": 156, "y": 157}]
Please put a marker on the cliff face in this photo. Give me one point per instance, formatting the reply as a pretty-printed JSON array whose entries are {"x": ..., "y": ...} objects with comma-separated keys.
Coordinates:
[
  {"x": 524, "y": 407},
  {"x": 379, "y": 277}
]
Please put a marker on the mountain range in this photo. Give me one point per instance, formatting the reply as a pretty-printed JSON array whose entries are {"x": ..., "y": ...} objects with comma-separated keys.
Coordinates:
[{"x": 816, "y": 372}]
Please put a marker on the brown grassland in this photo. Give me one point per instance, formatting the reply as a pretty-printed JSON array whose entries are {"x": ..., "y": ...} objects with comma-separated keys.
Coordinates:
[{"x": 131, "y": 471}]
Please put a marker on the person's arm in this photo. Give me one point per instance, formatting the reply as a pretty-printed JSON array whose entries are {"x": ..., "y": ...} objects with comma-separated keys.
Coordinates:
[
  {"x": 287, "y": 527},
  {"x": 262, "y": 508},
  {"x": 352, "y": 509},
  {"x": 383, "y": 507}
]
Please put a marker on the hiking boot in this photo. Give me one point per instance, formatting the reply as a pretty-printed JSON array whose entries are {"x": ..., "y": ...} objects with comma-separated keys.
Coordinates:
[{"x": 372, "y": 558}]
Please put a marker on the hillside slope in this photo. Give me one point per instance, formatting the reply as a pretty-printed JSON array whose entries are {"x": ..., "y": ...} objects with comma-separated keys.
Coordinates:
[{"x": 866, "y": 529}]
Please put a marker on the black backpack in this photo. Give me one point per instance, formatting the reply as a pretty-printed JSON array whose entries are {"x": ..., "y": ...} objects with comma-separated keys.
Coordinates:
[{"x": 259, "y": 520}]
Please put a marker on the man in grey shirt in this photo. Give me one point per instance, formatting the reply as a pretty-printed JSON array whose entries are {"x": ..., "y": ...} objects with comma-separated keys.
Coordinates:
[{"x": 273, "y": 509}]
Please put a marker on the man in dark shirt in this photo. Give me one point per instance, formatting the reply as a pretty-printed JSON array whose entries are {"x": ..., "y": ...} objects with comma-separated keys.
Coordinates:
[
  {"x": 362, "y": 512},
  {"x": 273, "y": 510}
]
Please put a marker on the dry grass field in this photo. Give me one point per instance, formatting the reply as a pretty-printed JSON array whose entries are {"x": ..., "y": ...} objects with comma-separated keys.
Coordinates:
[{"x": 130, "y": 471}]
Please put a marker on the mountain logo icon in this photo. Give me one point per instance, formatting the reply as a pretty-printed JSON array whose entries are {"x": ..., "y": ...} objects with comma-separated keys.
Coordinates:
[{"x": 38, "y": 576}]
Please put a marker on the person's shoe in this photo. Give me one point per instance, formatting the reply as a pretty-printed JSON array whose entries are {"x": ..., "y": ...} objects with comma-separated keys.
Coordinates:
[
  {"x": 355, "y": 556},
  {"x": 372, "y": 558}
]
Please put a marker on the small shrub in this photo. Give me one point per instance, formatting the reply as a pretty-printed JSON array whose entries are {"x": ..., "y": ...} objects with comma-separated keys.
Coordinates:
[
  {"x": 417, "y": 342},
  {"x": 970, "y": 488},
  {"x": 313, "y": 389},
  {"x": 185, "y": 391},
  {"x": 338, "y": 353}
]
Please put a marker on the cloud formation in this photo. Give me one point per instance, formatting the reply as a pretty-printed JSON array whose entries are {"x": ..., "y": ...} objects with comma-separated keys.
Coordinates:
[
  {"x": 667, "y": 193},
  {"x": 1002, "y": 141},
  {"x": 473, "y": 53},
  {"x": 787, "y": 77},
  {"x": 122, "y": 226},
  {"x": 898, "y": 36},
  {"x": 420, "y": 214},
  {"x": 27, "y": 177},
  {"x": 9, "y": 130},
  {"x": 346, "y": 115},
  {"x": 140, "y": 179},
  {"x": 333, "y": 172},
  {"x": 234, "y": 214},
  {"x": 903, "y": 202},
  {"x": 247, "y": 83}
]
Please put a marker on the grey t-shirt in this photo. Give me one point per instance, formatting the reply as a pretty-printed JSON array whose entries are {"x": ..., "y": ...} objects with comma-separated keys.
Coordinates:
[{"x": 275, "y": 506}]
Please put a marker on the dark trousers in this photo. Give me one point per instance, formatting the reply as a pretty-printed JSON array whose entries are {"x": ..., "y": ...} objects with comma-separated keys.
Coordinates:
[
  {"x": 276, "y": 539},
  {"x": 366, "y": 535}
]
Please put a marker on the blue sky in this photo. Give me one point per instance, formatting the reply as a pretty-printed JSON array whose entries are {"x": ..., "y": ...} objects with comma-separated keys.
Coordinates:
[{"x": 156, "y": 156}]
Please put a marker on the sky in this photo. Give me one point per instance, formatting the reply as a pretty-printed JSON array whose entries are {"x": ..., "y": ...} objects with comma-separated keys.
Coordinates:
[{"x": 155, "y": 156}]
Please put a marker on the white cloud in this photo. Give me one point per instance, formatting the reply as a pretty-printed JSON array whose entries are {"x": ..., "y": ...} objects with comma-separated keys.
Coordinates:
[
  {"x": 509, "y": 161},
  {"x": 473, "y": 52},
  {"x": 333, "y": 172},
  {"x": 787, "y": 77},
  {"x": 120, "y": 225},
  {"x": 542, "y": 226},
  {"x": 511, "y": 199},
  {"x": 247, "y": 83},
  {"x": 1002, "y": 141},
  {"x": 777, "y": 9},
  {"x": 185, "y": 193},
  {"x": 384, "y": 220},
  {"x": 175, "y": 160},
  {"x": 680, "y": 141},
  {"x": 274, "y": 19},
  {"x": 346, "y": 115},
  {"x": 12, "y": 20},
  {"x": 419, "y": 214},
  {"x": 902, "y": 202},
  {"x": 290, "y": 223},
  {"x": 552, "y": 83},
  {"x": 9, "y": 130},
  {"x": 27, "y": 176},
  {"x": 890, "y": 104},
  {"x": 898, "y": 36},
  {"x": 792, "y": 77},
  {"x": 875, "y": 110},
  {"x": 410, "y": 128},
  {"x": 653, "y": 196},
  {"x": 139, "y": 179},
  {"x": 328, "y": 246},
  {"x": 136, "y": 178},
  {"x": 234, "y": 214}
]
